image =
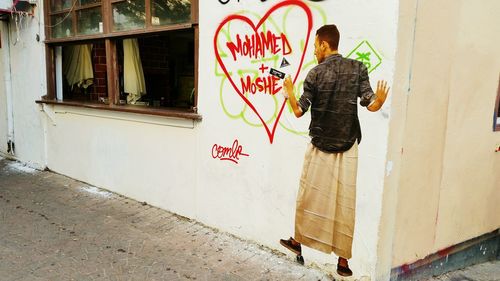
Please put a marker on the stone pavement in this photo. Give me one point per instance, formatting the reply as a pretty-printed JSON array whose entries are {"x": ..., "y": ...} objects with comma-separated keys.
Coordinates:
[
  {"x": 488, "y": 271},
  {"x": 55, "y": 228}
]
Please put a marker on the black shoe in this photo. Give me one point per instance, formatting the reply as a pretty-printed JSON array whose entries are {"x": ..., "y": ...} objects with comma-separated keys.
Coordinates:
[
  {"x": 343, "y": 271},
  {"x": 297, "y": 249},
  {"x": 300, "y": 259}
]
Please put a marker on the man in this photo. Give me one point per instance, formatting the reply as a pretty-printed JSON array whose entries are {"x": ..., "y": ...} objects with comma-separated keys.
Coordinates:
[{"x": 326, "y": 200}]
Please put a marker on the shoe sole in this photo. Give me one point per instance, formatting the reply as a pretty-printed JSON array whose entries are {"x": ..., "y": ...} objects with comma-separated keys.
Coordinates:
[
  {"x": 284, "y": 244},
  {"x": 343, "y": 274}
]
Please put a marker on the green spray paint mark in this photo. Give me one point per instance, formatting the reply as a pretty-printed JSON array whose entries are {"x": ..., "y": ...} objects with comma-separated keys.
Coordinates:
[{"x": 365, "y": 53}]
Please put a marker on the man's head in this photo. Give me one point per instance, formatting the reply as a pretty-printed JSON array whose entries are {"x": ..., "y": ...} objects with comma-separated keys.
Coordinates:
[{"x": 326, "y": 42}]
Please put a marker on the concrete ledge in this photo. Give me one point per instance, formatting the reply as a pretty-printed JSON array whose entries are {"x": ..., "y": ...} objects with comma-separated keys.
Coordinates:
[
  {"x": 477, "y": 250},
  {"x": 53, "y": 110}
]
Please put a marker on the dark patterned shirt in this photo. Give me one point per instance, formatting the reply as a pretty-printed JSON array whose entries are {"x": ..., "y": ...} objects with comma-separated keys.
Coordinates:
[{"x": 331, "y": 89}]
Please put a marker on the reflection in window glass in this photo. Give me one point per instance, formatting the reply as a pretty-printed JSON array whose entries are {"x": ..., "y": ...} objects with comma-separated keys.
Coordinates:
[
  {"x": 58, "y": 5},
  {"x": 166, "y": 12},
  {"x": 89, "y": 21},
  {"x": 129, "y": 15},
  {"x": 87, "y": 2},
  {"x": 61, "y": 26}
]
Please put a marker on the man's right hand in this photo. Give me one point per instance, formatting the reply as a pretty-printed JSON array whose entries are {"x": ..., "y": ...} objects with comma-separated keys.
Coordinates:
[
  {"x": 288, "y": 86},
  {"x": 288, "y": 92}
]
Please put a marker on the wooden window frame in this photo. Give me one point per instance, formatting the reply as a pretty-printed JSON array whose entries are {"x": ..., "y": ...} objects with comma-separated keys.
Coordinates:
[
  {"x": 73, "y": 10},
  {"x": 106, "y": 9},
  {"x": 110, "y": 38}
]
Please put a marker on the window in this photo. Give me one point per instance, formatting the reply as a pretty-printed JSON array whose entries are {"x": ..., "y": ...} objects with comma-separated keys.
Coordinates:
[
  {"x": 130, "y": 55},
  {"x": 496, "y": 116},
  {"x": 167, "y": 66},
  {"x": 75, "y": 17},
  {"x": 81, "y": 71}
]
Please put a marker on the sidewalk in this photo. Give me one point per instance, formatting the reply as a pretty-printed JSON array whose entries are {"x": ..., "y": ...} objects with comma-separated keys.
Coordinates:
[
  {"x": 56, "y": 228},
  {"x": 488, "y": 271}
]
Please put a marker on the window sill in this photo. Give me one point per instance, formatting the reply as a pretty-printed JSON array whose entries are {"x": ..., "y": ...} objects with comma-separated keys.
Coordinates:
[{"x": 166, "y": 112}]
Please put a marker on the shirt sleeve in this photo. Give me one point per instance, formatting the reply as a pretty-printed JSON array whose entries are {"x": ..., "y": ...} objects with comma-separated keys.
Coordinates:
[
  {"x": 309, "y": 88},
  {"x": 365, "y": 94}
]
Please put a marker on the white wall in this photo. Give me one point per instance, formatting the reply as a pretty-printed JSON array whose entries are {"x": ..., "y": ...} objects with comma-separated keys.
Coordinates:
[
  {"x": 256, "y": 198},
  {"x": 449, "y": 177},
  {"x": 3, "y": 90},
  {"x": 168, "y": 162},
  {"x": 27, "y": 73},
  {"x": 148, "y": 158}
]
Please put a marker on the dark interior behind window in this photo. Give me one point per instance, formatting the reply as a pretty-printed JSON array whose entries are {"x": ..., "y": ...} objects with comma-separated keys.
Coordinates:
[{"x": 168, "y": 65}]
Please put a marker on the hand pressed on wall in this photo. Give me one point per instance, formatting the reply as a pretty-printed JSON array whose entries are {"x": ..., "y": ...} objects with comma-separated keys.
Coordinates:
[
  {"x": 382, "y": 90},
  {"x": 381, "y": 93}
]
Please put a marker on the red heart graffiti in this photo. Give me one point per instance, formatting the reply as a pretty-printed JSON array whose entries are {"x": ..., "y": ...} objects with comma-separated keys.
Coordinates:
[{"x": 244, "y": 19}]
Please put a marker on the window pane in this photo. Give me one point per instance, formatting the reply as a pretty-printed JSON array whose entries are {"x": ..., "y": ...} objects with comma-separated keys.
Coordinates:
[
  {"x": 165, "y": 12},
  {"x": 129, "y": 15},
  {"x": 83, "y": 75},
  {"x": 61, "y": 26},
  {"x": 157, "y": 71},
  {"x": 89, "y": 21},
  {"x": 58, "y": 5},
  {"x": 87, "y": 2}
]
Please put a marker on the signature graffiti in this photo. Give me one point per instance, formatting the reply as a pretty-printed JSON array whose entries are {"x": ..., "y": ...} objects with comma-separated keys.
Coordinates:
[
  {"x": 231, "y": 153},
  {"x": 258, "y": 49}
]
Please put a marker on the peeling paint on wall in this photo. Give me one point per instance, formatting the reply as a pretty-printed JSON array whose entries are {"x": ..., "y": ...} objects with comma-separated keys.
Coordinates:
[{"x": 388, "y": 168}]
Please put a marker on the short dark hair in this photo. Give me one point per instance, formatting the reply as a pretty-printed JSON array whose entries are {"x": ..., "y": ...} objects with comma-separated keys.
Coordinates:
[{"x": 330, "y": 34}]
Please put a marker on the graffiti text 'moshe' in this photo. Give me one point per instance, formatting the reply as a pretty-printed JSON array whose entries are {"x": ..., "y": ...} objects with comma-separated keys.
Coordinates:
[
  {"x": 266, "y": 85},
  {"x": 259, "y": 44}
]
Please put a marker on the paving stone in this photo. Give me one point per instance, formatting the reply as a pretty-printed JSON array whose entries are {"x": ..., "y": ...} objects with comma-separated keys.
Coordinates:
[
  {"x": 489, "y": 271},
  {"x": 56, "y": 228}
]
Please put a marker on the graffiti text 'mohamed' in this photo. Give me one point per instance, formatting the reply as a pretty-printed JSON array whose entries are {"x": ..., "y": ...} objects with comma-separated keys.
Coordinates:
[{"x": 259, "y": 45}]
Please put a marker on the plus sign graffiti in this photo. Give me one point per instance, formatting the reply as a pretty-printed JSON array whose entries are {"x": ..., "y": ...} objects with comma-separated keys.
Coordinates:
[{"x": 365, "y": 53}]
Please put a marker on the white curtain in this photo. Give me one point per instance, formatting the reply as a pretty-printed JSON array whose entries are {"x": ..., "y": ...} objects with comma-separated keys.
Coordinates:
[
  {"x": 133, "y": 73},
  {"x": 77, "y": 67}
]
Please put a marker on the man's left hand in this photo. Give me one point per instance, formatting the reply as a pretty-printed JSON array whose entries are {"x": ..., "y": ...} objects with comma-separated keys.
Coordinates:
[{"x": 381, "y": 93}]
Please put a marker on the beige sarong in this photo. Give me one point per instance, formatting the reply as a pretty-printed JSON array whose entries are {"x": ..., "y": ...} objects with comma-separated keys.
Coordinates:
[{"x": 324, "y": 218}]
